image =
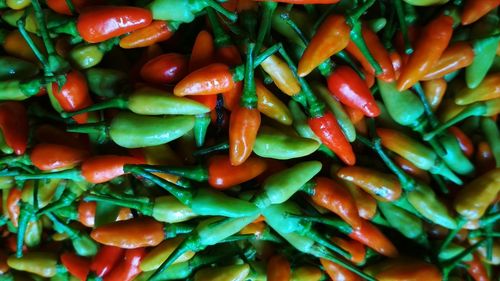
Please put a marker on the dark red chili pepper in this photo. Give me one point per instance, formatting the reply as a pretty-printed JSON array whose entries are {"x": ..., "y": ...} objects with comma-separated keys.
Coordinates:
[
  {"x": 73, "y": 95},
  {"x": 100, "y": 23},
  {"x": 476, "y": 269},
  {"x": 346, "y": 85},
  {"x": 129, "y": 268},
  {"x": 106, "y": 259},
  {"x": 465, "y": 142},
  {"x": 14, "y": 125},
  {"x": 76, "y": 265},
  {"x": 46, "y": 156},
  {"x": 165, "y": 69}
]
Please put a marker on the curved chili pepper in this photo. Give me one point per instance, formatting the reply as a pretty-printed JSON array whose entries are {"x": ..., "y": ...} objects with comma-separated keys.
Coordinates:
[
  {"x": 203, "y": 51},
  {"x": 476, "y": 269},
  {"x": 52, "y": 156},
  {"x": 14, "y": 126},
  {"x": 222, "y": 174},
  {"x": 130, "y": 234},
  {"x": 129, "y": 268},
  {"x": 269, "y": 105},
  {"x": 366, "y": 204},
  {"x": 328, "y": 130},
  {"x": 434, "y": 91},
  {"x": 405, "y": 222},
  {"x": 336, "y": 198},
  {"x": 345, "y": 84},
  {"x": 484, "y": 56},
  {"x": 382, "y": 186},
  {"x": 455, "y": 57},
  {"x": 101, "y": 23},
  {"x": 278, "y": 268},
  {"x": 475, "y": 9},
  {"x": 330, "y": 38},
  {"x": 281, "y": 74},
  {"x": 165, "y": 69},
  {"x": 244, "y": 124},
  {"x": 338, "y": 272},
  {"x": 378, "y": 51},
  {"x": 355, "y": 248},
  {"x": 76, "y": 265},
  {"x": 157, "y": 31},
  {"x": 103, "y": 168},
  {"x": 432, "y": 43},
  {"x": 106, "y": 259}
]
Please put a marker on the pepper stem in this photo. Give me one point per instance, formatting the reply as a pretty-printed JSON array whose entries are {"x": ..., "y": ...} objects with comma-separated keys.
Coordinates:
[
  {"x": 336, "y": 223},
  {"x": 211, "y": 149},
  {"x": 71, "y": 7},
  {"x": 320, "y": 239},
  {"x": 174, "y": 229},
  {"x": 221, "y": 10},
  {"x": 100, "y": 128},
  {"x": 489, "y": 219},
  {"x": 265, "y": 25},
  {"x": 66, "y": 200},
  {"x": 183, "y": 195},
  {"x": 427, "y": 107},
  {"x": 461, "y": 222},
  {"x": 146, "y": 208},
  {"x": 449, "y": 265},
  {"x": 118, "y": 102},
  {"x": 239, "y": 71},
  {"x": 404, "y": 27},
  {"x": 26, "y": 213},
  {"x": 221, "y": 38},
  {"x": 71, "y": 174},
  {"x": 196, "y": 173},
  {"x": 249, "y": 95}
]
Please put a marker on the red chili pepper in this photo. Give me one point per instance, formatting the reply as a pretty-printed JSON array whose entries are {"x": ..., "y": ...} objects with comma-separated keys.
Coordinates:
[
  {"x": 87, "y": 210},
  {"x": 455, "y": 57},
  {"x": 14, "y": 125},
  {"x": 372, "y": 237},
  {"x": 346, "y": 85},
  {"x": 46, "y": 156},
  {"x": 338, "y": 272},
  {"x": 73, "y": 95},
  {"x": 222, "y": 174},
  {"x": 475, "y": 9},
  {"x": 106, "y": 259},
  {"x": 103, "y": 168},
  {"x": 331, "y": 37},
  {"x": 157, "y": 31},
  {"x": 465, "y": 142},
  {"x": 244, "y": 123},
  {"x": 100, "y": 23},
  {"x": 378, "y": 51},
  {"x": 484, "y": 160},
  {"x": 431, "y": 45},
  {"x": 165, "y": 69},
  {"x": 61, "y": 6},
  {"x": 328, "y": 130},
  {"x": 476, "y": 269},
  {"x": 130, "y": 234},
  {"x": 355, "y": 248},
  {"x": 278, "y": 269},
  {"x": 397, "y": 63},
  {"x": 129, "y": 268},
  {"x": 336, "y": 198},
  {"x": 217, "y": 78},
  {"x": 76, "y": 265},
  {"x": 13, "y": 208},
  {"x": 411, "y": 169}
]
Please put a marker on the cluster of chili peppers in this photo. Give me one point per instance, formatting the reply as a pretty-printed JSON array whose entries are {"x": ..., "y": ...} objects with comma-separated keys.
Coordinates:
[{"x": 235, "y": 140}]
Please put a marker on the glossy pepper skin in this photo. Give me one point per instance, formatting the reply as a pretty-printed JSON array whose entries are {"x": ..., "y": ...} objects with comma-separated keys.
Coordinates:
[
  {"x": 428, "y": 50},
  {"x": 106, "y": 259},
  {"x": 130, "y": 234},
  {"x": 475, "y": 9},
  {"x": 39, "y": 263},
  {"x": 222, "y": 174},
  {"x": 76, "y": 265},
  {"x": 338, "y": 272},
  {"x": 129, "y": 268},
  {"x": 425, "y": 201},
  {"x": 244, "y": 124},
  {"x": 100, "y": 23},
  {"x": 217, "y": 78},
  {"x": 281, "y": 74},
  {"x": 271, "y": 143},
  {"x": 271, "y": 106},
  {"x": 61, "y": 7},
  {"x": 165, "y": 69},
  {"x": 474, "y": 198},
  {"x": 102, "y": 168},
  {"x": 73, "y": 95},
  {"x": 455, "y": 57},
  {"x": 53, "y": 156},
  {"x": 489, "y": 89},
  {"x": 336, "y": 198},
  {"x": 157, "y": 31},
  {"x": 14, "y": 126},
  {"x": 372, "y": 237},
  {"x": 345, "y": 84},
  {"x": 407, "y": 269},
  {"x": 331, "y": 37}
]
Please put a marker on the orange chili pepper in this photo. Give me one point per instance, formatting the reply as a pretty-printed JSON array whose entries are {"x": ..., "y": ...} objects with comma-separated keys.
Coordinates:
[
  {"x": 336, "y": 198},
  {"x": 434, "y": 91},
  {"x": 216, "y": 78},
  {"x": 455, "y": 57},
  {"x": 222, "y": 174},
  {"x": 384, "y": 187},
  {"x": 397, "y": 63},
  {"x": 278, "y": 269},
  {"x": 372, "y": 237},
  {"x": 244, "y": 123},
  {"x": 87, "y": 211},
  {"x": 130, "y": 234},
  {"x": 46, "y": 156},
  {"x": 475, "y": 9},
  {"x": 405, "y": 269},
  {"x": 338, "y": 272},
  {"x": 355, "y": 248},
  {"x": 15, "y": 45},
  {"x": 431, "y": 45},
  {"x": 157, "y": 31},
  {"x": 73, "y": 95},
  {"x": 103, "y": 168}
]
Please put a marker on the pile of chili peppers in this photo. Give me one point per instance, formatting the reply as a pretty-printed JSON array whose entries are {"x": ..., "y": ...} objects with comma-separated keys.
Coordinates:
[{"x": 300, "y": 140}]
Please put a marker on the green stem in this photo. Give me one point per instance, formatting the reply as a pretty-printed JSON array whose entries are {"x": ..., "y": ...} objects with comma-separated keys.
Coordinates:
[
  {"x": 265, "y": 25},
  {"x": 336, "y": 223},
  {"x": 217, "y": 7},
  {"x": 460, "y": 223},
  {"x": 189, "y": 244},
  {"x": 239, "y": 71},
  {"x": 197, "y": 173},
  {"x": 25, "y": 215},
  {"x": 71, "y": 174},
  {"x": 427, "y": 107},
  {"x": 173, "y": 230},
  {"x": 211, "y": 149},
  {"x": 449, "y": 265},
  {"x": 71, "y": 7},
  {"x": 32, "y": 45},
  {"x": 118, "y": 102},
  {"x": 404, "y": 27},
  {"x": 221, "y": 38},
  {"x": 100, "y": 128},
  {"x": 249, "y": 96},
  {"x": 145, "y": 208},
  {"x": 489, "y": 219},
  {"x": 40, "y": 19}
]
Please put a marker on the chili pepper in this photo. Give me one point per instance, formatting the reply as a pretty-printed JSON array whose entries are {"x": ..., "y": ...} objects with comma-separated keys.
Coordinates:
[
  {"x": 73, "y": 95},
  {"x": 305, "y": 2},
  {"x": 185, "y": 11},
  {"x": 78, "y": 266},
  {"x": 424, "y": 200},
  {"x": 160, "y": 253},
  {"x": 425, "y": 2},
  {"x": 404, "y": 107},
  {"x": 14, "y": 125},
  {"x": 434, "y": 91},
  {"x": 405, "y": 269},
  {"x": 128, "y": 269},
  {"x": 165, "y": 69},
  {"x": 454, "y": 157},
  {"x": 87, "y": 56},
  {"x": 405, "y": 222},
  {"x": 411, "y": 169},
  {"x": 474, "y": 10},
  {"x": 101, "y": 23},
  {"x": 337, "y": 272},
  {"x": 269, "y": 105},
  {"x": 473, "y": 199},
  {"x": 14, "y": 68},
  {"x": 15, "y": 45},
  {"x": 487, "y": 90},
  {"x": 149, "y": 101},
  {"x": 426, "y": 54},
  {"x": 164, "y": 208},
  {"x": 484, "y": 55},
  {"x": 455, "y": 57},
  {"x": 209, "y": 232},
  {"x": 12, "y": 204},
  {"x": 355, "y": 248},
  {"x": 103, "y": 168},
  {"x": 130, "y": 234},
  {"x": 281, "y": 186},
  {"x": 336, "y": 198},
  {"x": 203, "y": 51},
  {"x": 415, "y": 152},
  {"x": 237, "y": 272},
  {"x": 106, "y": 82},
  {"x": 220, "y": 80},
  {"x": 62, "y": 7},
  {"x": 492, "y": 133},
  {"x": 157, "y": 31},
  {"x": 349, "y": 89},
  {"x": 476, "y": 269},
  {"x": 270, "y": 143},
  {"x": 382, "y": 187},
  {"x": 378, "y": 51},
  {"x": 281, "y": 74},
  {"x": 39, "y": 263},
  {"x": 52, "y": 156},
  {"x": 106, "y": 259},
  {"x": 83, "y": 245},
  {"x": 463, "y": 140},
  {"x": 278, "y": 268}
]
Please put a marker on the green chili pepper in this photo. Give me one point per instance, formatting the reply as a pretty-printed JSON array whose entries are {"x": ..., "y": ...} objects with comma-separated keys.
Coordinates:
[
  {"x": 40, "y": 263},
  {"x": 271, "y": 143},
  {"x": 298, "y": 17},
  {"x": 201, "y": 123},
  {"x": 492, "y": 134},
  {"x": 403, "y": 221},
  {"x": 106, "y": 83},
  {"x": 33, "y": 235},
  {"x": 451, "y": 251},
  {"x": 426, "y": 203},
  {"x": 484, "y": 55},
  {"x": 14, "y": 68},
  {"x": 17, "y": 90},
  {"x": 184, "y": 10},
  {"x": 454, "y": 156},
  {"x": 281, "y": 186},
  {"x": 86, "y": 56}
]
